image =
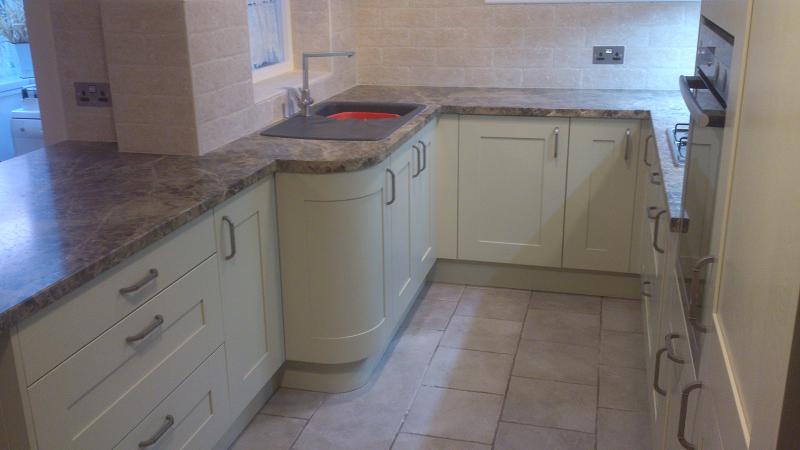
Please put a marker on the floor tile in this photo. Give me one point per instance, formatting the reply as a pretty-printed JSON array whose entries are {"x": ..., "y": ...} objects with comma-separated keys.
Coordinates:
[
  {"x": 448, "y": 413},
  {"x": 433, "y": 313},
  {"x": 512, "y": 436},
  {"x": 469, "y": 370},
  {"x": 563, "y": 327},
  {"x": 623, "y": 430},
  {"x": 622, "y": 349},
  {"x": 551, "y": 301},
  {"x": 551, "y": 404},
  {"x": 475, "y": 333},
  {"x": 407, "y": 441},
  {"x": 293, "y": 403},
  {"x": 622, "y": 315},
  {"x": 494, "y": 303},
  {"x": 269, "y": 433},
  {"x": 623, "y": 388},
  {"x": 556, "y": 361},
  {"x": 444, "y": 291}
]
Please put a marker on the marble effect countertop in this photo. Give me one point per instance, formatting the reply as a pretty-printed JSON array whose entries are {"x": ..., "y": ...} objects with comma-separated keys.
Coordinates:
[{"x": 74, "y": 210}]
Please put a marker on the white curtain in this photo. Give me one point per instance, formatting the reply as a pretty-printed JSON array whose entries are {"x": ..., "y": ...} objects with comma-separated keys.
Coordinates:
[{"x": 265, "y": 18}]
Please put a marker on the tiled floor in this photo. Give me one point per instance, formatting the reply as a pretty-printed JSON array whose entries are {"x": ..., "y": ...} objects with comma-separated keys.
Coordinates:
[{"x": 479, "y": 368}]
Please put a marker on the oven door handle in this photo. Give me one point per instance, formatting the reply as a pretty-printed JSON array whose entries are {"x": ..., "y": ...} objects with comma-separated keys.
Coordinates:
[{"x": 700, "y": 117}]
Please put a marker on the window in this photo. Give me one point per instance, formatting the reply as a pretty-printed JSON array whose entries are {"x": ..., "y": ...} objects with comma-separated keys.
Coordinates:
[{"x": 270, "y": 37}]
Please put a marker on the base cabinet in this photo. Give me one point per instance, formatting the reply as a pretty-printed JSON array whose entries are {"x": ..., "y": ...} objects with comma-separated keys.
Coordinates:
[
  {"x": 601, "y": 194},
  {"x": 401, "y": 171},
  {"x": 249, "y": 271}
]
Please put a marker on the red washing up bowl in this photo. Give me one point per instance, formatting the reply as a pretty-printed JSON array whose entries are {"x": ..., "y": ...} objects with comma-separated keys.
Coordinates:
[{"x": 362, "y": 115}]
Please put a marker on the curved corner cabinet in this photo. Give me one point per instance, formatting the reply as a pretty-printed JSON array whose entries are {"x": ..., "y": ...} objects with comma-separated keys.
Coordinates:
[{"x": 355, "y": 249}]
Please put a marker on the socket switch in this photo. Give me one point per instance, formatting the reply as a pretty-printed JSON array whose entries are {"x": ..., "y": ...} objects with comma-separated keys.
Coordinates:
[
  {"x": 96, "y": 95},
  {"x": 609, "y": 55}
]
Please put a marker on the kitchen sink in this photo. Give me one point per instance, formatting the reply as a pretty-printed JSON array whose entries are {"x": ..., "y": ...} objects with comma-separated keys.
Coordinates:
[{"x": 347, "y": 121}]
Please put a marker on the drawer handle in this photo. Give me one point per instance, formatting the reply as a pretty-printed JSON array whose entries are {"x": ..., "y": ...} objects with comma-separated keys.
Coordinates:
[
  {"x": 671, "y": 351},
  {"x": 657, "y": 230},
  {"x": 696, "y": 293},
  {"x": 152, "y": 274},
  {"x": 158, "y": 320},
  {"x": 653, "y": 179},
  {"x": 169, "y": 421},
  {"x": 556, "y": 132},
  {"x": 646, "y": 150},
  {"x": 627, "y": 144},
  {"x": 424, "y": 156},
  {"x": 419, "y": 161},
  {"x": 232, "y": 233},
  {"x": 687, "y": 391},
  {"x": 657, "y": 372}
]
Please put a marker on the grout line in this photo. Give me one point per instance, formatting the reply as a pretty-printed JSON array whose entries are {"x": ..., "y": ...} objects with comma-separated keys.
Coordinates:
[
  {"x": 555, "y": 381},
  {"x": 447, "y": 438},
  {"x": 547, "y": 427},
  {"x": 450, "y": 388}
]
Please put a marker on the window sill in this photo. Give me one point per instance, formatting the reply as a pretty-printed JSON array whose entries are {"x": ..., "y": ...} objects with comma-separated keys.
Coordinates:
[{"x": 277, "y": 85}]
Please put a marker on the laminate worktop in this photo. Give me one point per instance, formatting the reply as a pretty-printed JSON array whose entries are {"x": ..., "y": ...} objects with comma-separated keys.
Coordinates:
[{"x": 73, "y": 210}]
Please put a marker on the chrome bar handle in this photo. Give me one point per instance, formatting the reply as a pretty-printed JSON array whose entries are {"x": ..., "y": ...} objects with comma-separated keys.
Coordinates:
[
  {"x": 232, "y": 233},
  {"x": 169, "y": 421},
  {"x": 657, "y": 230},
  {"x": 627, "y": 144},
  {"x": 650, "y": 211},
  {"x": 419, "y": 161},
  {"x": 695, "y": 298},
  {"x": 687, "y": 391},
  {"x": 556, "y": 132},
  {"x": 424, "y": 156},
  {"x": 653, "y": 180},
  {"x": 152, "y": 274},
  {"x": 657, "y": 373},
  {"x": 646, "y": 150},
  {"x": 394, "y": 188},
  {"x": 644, "y": 291},
  {"x": 158, "y": 320},
  {"x": 670, "y": 351}
]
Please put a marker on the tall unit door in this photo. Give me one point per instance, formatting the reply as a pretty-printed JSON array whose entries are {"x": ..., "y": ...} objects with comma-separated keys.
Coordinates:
[
  {"x": 512, "y": 177},
  {"x": 601, "y": 191},
  {"x": 422, "y": 207},
  {"x": 398, "y": 228},
  {"x": 247, "y": 250}
]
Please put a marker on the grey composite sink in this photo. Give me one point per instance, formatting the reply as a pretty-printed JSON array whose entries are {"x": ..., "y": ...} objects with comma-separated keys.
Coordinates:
[{"x": 347, "y": 121}]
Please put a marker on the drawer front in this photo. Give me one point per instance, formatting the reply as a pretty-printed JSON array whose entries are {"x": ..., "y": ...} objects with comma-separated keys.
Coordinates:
[
  {"x": 54, "y": 334},
  {"x": 94, "y": 398},
  {"x": 194, "y": 416}
]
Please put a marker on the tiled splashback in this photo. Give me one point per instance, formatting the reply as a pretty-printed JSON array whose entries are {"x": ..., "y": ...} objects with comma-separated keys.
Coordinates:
[{"x": 469, "y": 43}]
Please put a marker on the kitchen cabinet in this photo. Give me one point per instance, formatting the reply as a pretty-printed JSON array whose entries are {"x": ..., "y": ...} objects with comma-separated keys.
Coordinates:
[
  {"x": 249, "y": 272},
  {"x": 423, "y": 225},
  {"x": 397, "y": 237},
  {"x": 646, "y": 164},
  {"x": 512, "y": 179},
  {"x": 601, "y": 186}
]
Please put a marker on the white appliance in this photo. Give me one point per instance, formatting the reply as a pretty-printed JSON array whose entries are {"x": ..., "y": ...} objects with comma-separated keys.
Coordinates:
[{"x": 26, "y": 123}]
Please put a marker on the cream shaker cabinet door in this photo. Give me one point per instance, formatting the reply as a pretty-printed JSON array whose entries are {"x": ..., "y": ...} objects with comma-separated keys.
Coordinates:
[
  {"x": 397, "y": 232},
  {"x": 247, "y": 246},
  {"x": 601, "y": 188},
  {"x": 512, "y": 176},
  {"x": 422, "y": 207}
]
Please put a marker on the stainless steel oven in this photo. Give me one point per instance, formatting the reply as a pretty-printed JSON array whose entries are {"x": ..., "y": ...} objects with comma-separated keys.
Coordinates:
[{"x": 706, "y": 96}]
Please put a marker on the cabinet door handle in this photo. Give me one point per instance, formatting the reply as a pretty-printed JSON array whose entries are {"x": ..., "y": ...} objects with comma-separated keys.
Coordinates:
[
  {"x": 653, "y": 180},
  {"x": 671, "y": 351},
  {"x": 158, "y": 320},
  {"x": 695, "y": 298},
  {"x": 169, "y": 421},
  {"x": 394, "y": 188},
  {"x": 687, "y": 391},
  {"x": 647, "y": 150},
  {"x": 556, "y": 132},
  {"x": 152, "y": 274},
  {"x": 650, "y": 211},
  {"x": 627, "y": 144},
  {"x": 644, "y": 291},
  {"x": 657, "y": 372},
  {"x": 424, "y": 156},
  {"x": 232, "y": 233},
  {"x": 419, "y": 161},
  {"x": 657, "y": 230}
]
